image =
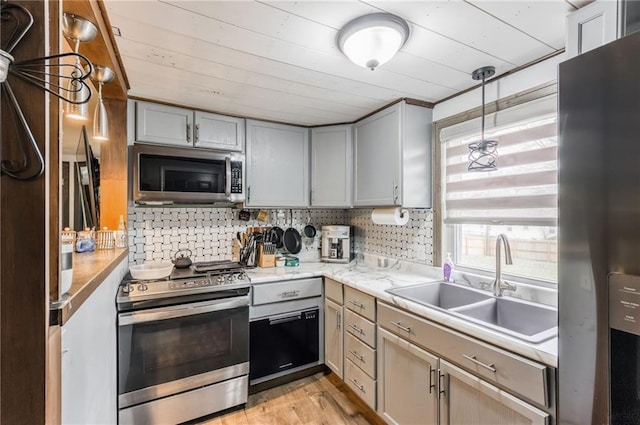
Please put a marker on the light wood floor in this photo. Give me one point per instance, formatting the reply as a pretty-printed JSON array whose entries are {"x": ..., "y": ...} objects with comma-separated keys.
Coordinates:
[{"x": 317, "y": 399}]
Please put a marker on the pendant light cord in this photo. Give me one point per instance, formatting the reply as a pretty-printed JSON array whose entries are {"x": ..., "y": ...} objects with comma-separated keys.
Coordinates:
[{"x": 482, "y": 140}]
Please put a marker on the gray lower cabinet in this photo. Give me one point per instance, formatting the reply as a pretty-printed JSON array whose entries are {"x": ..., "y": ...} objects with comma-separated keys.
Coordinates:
[
  {"x": 420, "y": 369},
  {"x": 407, "y": 382},
  {"x": 333, "y": 337},
  {"x": 331, "y": 166},
  {"x": 277, "y": 165},
  {"x": 467, "y": 399}
]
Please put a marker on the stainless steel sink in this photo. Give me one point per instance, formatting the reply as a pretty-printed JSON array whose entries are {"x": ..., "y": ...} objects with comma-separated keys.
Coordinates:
[
  {"x": 525, "y": 320},
  {"x": 440, "y": 294}
]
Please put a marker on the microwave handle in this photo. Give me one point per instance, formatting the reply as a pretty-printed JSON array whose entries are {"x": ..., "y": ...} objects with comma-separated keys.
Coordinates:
[{"x": 227, "y": 186}]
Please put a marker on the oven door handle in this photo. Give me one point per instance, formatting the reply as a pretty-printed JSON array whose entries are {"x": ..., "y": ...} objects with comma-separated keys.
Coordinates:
[{"x": 156, "y": 315}]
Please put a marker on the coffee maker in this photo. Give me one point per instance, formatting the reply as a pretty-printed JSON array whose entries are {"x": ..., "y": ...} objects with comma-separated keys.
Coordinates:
[{"x": 337, "y": 244}]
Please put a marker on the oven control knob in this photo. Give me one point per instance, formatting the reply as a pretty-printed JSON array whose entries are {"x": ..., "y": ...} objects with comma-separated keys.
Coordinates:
[
  {"x": 231, "y": 277},
  {"x": 220, "y": 279},
  {"x": 241, "y": 276},
  {"x": 143, "y": 287}
]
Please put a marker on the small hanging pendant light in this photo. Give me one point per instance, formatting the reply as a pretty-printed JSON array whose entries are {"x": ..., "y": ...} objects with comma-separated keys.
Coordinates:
[
  {"x": 483, "y": 153},
  {"x": 101, "y": 75},
  {"x": 79, "y": 30}
]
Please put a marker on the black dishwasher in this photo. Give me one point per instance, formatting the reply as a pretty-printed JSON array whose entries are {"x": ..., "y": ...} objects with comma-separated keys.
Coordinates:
[{"x": 284, "y": 341}]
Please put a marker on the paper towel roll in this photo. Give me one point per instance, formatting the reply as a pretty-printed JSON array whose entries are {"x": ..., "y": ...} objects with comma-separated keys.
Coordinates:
[{"x": 394, "y": 216}]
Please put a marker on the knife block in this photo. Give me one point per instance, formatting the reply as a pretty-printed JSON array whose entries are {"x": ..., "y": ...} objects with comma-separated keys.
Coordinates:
[{"x": 265, "y": 260}]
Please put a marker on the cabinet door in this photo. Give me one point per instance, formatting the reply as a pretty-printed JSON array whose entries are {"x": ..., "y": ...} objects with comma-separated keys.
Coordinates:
[
  {"x": 467, "y": 399},
  {"x": 331, "y": 166},
  {"x": 591, "y": 26},
  {"x": 333, "y": 337},
  {"x": 377, "y": 159},
  {"x": 407, "y": 390},
  {"x": 163, "y": 124},
  {"x": 277, "y": 165},
  {"x": 215, "y": 131},
  {"x": 89, "y": 370}
]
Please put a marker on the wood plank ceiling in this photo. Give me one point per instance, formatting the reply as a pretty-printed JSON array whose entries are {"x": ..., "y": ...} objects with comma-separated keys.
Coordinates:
[{"x": 278, "y": 60}]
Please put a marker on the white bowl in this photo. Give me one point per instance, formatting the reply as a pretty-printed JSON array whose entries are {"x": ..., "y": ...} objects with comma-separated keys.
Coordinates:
[{"x": 151, "y": 271}]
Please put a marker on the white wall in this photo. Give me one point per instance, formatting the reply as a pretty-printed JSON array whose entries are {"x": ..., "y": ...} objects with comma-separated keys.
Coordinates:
[{"x": 530, "y": 77}]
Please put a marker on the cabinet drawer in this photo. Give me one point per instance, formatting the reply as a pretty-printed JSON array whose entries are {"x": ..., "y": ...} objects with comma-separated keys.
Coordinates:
[
  {"x": 360, "y": 327},
  {"x": 333, "y": 290},
  {"x": 360, "y": 383},
  {"x": 284, "y": 291},
  {"x": 508, "y": 370},
  {"x": 360, "y": 354},
  {"x": 361, "y": 303}
]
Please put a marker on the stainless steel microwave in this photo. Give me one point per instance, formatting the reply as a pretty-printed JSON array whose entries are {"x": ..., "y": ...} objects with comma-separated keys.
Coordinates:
[{"x": 168, "y": 175}]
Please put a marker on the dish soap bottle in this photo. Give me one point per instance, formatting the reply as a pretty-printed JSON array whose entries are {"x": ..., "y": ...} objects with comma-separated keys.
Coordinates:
[
  {"x": 448, "y": 269},
  {"x": 121, "y": 234}
]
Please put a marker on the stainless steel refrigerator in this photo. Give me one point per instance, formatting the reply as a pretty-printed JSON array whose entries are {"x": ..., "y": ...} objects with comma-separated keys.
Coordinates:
[{"x": 599, "y": 201}]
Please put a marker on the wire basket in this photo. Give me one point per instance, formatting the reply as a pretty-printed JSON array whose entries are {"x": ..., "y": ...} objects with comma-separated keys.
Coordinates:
[{"x": 105, "y": 239}]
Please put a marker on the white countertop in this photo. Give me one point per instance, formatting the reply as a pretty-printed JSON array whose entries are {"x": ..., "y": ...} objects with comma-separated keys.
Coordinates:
[{"x": 365, "y": 276}]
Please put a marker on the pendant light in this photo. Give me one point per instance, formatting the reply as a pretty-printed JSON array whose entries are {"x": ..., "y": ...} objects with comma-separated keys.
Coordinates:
[
  {"x": 483, "y": 153},
  {"x": 372, "y": 40},
  {"x": 101, "y": 75},
  {"x": 79, "y": 30}
]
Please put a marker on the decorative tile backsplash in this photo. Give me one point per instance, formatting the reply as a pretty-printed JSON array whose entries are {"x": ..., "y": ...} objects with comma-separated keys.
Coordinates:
[
  {"x": 157, "y": 233},
  {"x": 411, "y": 242}
]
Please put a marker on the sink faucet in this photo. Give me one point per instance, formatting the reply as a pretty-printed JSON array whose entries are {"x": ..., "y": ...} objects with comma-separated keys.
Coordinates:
[{"x": 499, "y": 285}]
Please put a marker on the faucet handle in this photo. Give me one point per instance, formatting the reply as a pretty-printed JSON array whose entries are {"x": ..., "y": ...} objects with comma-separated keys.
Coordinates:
[{"x": 504, "y": 285}]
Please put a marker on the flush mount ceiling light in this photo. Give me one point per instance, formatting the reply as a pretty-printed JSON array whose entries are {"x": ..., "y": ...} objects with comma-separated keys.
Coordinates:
[
  {"x": 101, "y": 75},
  {"x": 371, "y": 40},
  {"x": 79, "y": 30},
  {"x": 483, "y": 153}
]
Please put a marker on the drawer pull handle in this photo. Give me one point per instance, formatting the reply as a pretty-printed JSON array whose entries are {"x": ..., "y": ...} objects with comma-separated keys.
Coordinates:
[
  {"x": 357, "y": 304},
  {"x": 473, "y": 359},
  {"x": 287, "y": 294},
  {"x": 357, "y": 356},
  {"x": 432, "y": 385},
  {"x": 337, "y": 320},
  {"x": 399, "y": 326},
  {"x": 360, "y": 387},
  {"x": 442, "y": 392},
  {"x": 357, "y": 329}
]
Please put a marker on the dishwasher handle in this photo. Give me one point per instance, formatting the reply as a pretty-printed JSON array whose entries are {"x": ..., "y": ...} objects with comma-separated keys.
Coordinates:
[{"x": 285, "y": 319}]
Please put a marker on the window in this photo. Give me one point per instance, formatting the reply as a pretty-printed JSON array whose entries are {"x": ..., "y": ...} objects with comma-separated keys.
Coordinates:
[{"x": 519, "y": 199}]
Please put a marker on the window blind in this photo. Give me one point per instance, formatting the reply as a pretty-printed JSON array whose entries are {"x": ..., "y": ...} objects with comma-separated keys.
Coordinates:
[{"x": 523, "y": 190}]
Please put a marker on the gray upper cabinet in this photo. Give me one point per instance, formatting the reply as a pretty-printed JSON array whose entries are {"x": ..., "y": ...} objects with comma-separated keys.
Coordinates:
[
  {"x": 277, "y": 165},
  {"x": 170, "y": 125},
  {"x": 215, "y": 131},
  {"x": 591, "y": 26},
  {"x": 393, "y": 158},
  {"x": 331, "y": 166},
  {"x": 163, "y": 124}
]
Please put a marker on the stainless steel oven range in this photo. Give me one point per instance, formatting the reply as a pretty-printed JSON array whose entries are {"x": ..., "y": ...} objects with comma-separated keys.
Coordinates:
[{"x": 183, "y": 344}]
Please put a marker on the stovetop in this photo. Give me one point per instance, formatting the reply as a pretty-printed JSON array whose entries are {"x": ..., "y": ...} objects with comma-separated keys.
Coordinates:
[{"x": 200, "y": 278}]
